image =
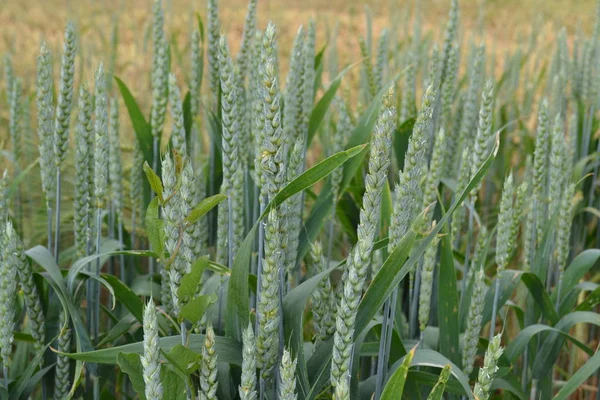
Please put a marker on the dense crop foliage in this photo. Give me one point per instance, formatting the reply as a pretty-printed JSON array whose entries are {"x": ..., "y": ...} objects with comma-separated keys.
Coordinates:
[{"x": 420, "y": 224}]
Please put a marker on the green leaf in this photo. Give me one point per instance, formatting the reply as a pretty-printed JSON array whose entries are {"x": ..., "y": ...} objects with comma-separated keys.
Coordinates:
[
  {"x": 509, "y": 384},
  {"x": 320, "y": 109},
  {"x": 313, "y": 175},
  {"x": 577, "y": 270},
  {"x": 194, "y": 310},
  {"x": 140, "y": 126},
  {"x": 550, "y": 349},
  {"x": 579, "y": 377},
  {"x": 517, "y": 345},
  {"x": 430, "y": 358},
  {"x": 53, "y": 276},
  {"x": 155, "y": 228},
  {"x": 509, "y": 280},
  {"x": 591, "y": 301},
  {"x": 132, "y": 366},
  {"x": 187, "y": 116},
  {"x": 204, "y": 207},
  {"x": 218, "y": 268},
  {"x": 401, "y": 137},
  {"x": 540, "y": 296},
  {"x": 126, "y": 296},
  {"x": 200, "y": 26},
  {"x": 229, "y": 350},
  {"x": 186, "y": 360},
  {"x": 388, "y": 278},
  {"x": 448, "y": 301},
  {"x": 238, "y": 305},
  {"x": 293, "y": 307},
  {"x": 429, "y": 380},
  {"x": 154, "y": 181},
  {"x": 394, "y": 388},
  {"x": 191, "y": 281},
  {"x": 174, "y": 387},
  {"x": 27, "y": 376},
  {"x": 107, "y": 248},
  {"x": 438, "y": 390},
  {"x": 119, "y": 329}
]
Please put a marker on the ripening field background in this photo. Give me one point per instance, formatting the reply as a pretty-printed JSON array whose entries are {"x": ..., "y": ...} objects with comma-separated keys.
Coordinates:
[{"x": 25, "y": 22}]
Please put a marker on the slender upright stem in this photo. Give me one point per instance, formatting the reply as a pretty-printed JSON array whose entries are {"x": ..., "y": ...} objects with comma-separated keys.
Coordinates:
[
  {"x": 96, "y": 297},
  {"x": 495, "y": 307},
  {"x": 96, "y": 388},
  {"x": 89, "y": 309},
  {"x": 20, "y": 209},
  {"x": 331, "y": 232},
  {"x": 261, "y": 387},
  {"x": 155, "y": 153},
  {"x": 414, "y": 301},
  {"x": 524, "y": 372},
  {"x": 5, "y": 372},
  {"x": 111, "y": 235},
  {"x": 184, "y": 344},
  {"x": 211, "y": 187},
  {"x": 229, "y": 256},
  {"x": 49, "y": 227},
  {"x": 121, "y": 256},
  {"x": 597, "y": 385},
  {"x": 261, "y": 251},
  {"x": 152, "y": 261},
  {"x": 470, "y": 210},
  {"x": 247, "y": 197},
  {"x": 389, "y": 314},
  {"x": 254, "y": 263},
  {"x": 57, "y": 222},
  {"x": 533, "y": 392}
]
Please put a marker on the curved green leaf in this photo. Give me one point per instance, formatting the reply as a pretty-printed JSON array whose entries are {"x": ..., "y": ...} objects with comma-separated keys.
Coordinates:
[
  {"x": 438, "y": 390},
  {"x": 577, "y": 270},
  {"x": 204, "y": 207},
  {"x": 107, "y": 249},
  {"x": 431, "y": 358},
  {"x": 320, "y": 109},
  {"x": 132, "y": 366},
  {"x": 517, "y": 345},
  {"x": 154, "y": 181},
  {"x": 448, "y": 301},
  {"x": 293, "y": 308},
  {"x": 126, "y": 296},
  {"x": 579, "y": 377},
  {"x": 140, "y": 126},
  {"x": 550, "y": 348},
  {"x": 229, "y": 350},
  {"x": 394, "y": 387}
]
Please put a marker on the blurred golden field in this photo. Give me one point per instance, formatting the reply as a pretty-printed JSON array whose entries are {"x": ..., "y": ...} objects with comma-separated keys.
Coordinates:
[{"x": 26, "y": 23}]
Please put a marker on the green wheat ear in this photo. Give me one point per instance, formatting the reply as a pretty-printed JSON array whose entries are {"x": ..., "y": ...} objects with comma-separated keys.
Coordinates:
[
  {"x": 208, "y": 367},
  {"x": 150, "y": 359},
  {"x": 360, "y": 255},
  {"x": 8, "y": 291},
  {"x": 45, "y": 129},
  {"x": 65, "y": 95},
  {"x": 247, "y": 389},
  {"x": 488, "y": 372},
  {"x": 101, "y": 146},
  {"x": 287, "y": 373}
]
